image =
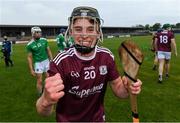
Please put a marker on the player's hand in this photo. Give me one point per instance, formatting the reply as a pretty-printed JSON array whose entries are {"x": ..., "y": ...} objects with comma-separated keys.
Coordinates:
[
  {"x": 176, "y": 54},
  {"x": 33, "y": 73},
  {"x": 135, "y": 88},
  {"x": 53, "y": 90}
]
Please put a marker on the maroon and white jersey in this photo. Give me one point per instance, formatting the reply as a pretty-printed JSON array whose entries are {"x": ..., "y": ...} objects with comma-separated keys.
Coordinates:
[
  {"x": 164, "y": 41},
  {"x": 85, "y": 81}
]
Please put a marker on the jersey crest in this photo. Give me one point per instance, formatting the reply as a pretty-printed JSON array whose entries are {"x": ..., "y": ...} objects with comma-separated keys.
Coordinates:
[{"x": 103, "y": 69}]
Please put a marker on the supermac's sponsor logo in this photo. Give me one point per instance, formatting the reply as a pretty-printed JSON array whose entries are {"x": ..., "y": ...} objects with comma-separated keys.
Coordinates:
[{"x": 86, "y": 92}]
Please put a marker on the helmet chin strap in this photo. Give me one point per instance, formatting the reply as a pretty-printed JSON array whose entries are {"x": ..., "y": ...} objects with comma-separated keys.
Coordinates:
[{"x": 84, "y": 49}]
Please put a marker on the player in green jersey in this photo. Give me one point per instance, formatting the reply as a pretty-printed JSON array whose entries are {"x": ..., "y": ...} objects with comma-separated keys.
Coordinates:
[
  {"x": 70, "y": 42},
  {"x": 61, "y": 40},
  {"x": 38, "y": 57}
]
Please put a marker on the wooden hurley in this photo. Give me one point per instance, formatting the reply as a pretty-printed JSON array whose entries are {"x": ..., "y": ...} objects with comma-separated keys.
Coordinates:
[{"x": 131, "y": 58}]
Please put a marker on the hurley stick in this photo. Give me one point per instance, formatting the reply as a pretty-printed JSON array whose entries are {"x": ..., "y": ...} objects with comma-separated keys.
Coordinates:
[{"x": 131, "y": 58}]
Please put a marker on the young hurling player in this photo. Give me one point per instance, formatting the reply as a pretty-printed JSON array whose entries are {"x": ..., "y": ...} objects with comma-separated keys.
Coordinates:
[
  {"x": 80, "y": 75},
  {"x": 163, "y": 43}
]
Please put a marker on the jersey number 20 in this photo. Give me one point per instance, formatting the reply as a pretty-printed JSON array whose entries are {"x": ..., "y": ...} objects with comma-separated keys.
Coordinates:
[{"x": 89, "y": 75}]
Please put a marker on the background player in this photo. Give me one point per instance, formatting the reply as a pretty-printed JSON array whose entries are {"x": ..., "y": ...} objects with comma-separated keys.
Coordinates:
[
  {"x": 155, "y": 63},
  {"x": 7, "y": 50},
  {"x": 61, "y": 41},
  {"x": 164, "y": 42},
  {"x": 39, "y": 55}
]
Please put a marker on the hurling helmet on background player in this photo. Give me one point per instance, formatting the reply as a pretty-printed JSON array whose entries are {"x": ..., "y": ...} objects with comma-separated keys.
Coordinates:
[
  {"x": 159, "y": 30},
  {"x": 35, "y": 29},
  {"x": 166, "y": 26},
  {"x": 62, "y": 30}
]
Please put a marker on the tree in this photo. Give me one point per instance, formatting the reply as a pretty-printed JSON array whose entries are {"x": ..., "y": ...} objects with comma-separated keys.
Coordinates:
[
  {"x": 156, "y": 26},
  {"x": 177, "y": 25},
  {"x": 173, "y": 26},
  {"x": 140, "y": 26},
  {"x": 147, "y": 27}
]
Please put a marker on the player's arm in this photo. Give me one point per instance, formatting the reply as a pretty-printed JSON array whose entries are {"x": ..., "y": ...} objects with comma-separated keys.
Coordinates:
[
  {"x": 53, "y": 91},
  {"x": 152, "y": 45},
  {"x": 49, "y": 53},
  {"x": 155, "y": 44},
  {"x": 61, "y": 39},
  {"x": 174, "y": 46},
  {"x": 64, "y": 44},
  {"x": 120, "y": 87},
  {"x": 43, "y": 107},
  {"x": 11, "y": 47},
  {"x": 57, "y": 40},
  {"x": 30, "y": 62}
]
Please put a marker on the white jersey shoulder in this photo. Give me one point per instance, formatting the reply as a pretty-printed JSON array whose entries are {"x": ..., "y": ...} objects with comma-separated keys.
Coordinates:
[
  {"x": 43, "y": 39},
  {"x": 60, "y": 34},
  {"x": 30, "y": 42}
]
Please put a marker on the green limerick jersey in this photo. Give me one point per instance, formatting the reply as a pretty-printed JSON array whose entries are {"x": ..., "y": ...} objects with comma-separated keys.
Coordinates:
[
  {"x": 61, "y": 42},
  {"x": 38, "y": 48},
  {"x": 70, "y": 42}
]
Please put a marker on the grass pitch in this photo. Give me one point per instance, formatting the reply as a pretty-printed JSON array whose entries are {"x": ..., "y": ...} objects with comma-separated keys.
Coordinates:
[{"x": 157, "y": 102}]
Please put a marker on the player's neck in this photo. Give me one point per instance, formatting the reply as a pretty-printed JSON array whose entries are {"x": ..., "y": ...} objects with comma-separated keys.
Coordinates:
[
  {"x": 86, "y": 55},
  {"x": 35, "y": 39}
]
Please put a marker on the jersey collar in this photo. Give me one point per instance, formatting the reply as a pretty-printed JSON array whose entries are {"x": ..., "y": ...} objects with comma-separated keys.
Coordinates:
[{"x": 86, "y": 58}]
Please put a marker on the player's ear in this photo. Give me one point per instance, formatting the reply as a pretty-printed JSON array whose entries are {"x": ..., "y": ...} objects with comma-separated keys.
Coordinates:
[
  {"x": 98, "y": 34},
  {"x": 70, "y": 31},
  {"x": 98, "y": 31}
]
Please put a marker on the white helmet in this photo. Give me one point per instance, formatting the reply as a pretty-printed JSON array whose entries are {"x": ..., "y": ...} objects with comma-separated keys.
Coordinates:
[{"x": 35, "y": 29}]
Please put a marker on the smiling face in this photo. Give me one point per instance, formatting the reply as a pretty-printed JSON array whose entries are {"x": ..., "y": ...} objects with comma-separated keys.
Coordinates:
[
  {"x": 37, "y": 34},
  {"x": 85, "y": 31}
]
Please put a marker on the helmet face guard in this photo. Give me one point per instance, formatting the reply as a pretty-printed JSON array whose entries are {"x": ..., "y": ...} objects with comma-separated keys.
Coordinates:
[{"x": 94, "y": 31}]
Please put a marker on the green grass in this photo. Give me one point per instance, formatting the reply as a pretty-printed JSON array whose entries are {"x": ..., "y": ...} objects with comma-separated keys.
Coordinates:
[{"x": 157, "y": 102}]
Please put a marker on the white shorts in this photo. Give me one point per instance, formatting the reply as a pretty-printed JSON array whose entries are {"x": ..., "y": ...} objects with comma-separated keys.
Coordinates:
[
  {"x": 164, "y": 55},
  {"x": 41, "y": 67}
]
